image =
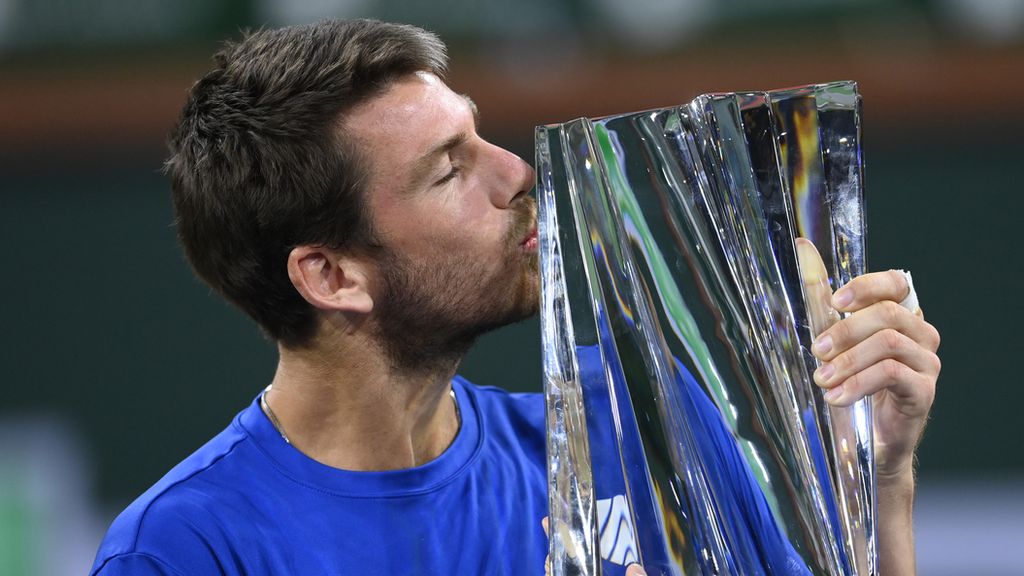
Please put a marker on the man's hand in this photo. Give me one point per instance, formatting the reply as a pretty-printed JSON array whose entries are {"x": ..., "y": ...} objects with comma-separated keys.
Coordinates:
[
  {"x": 881, "y": 348},
  {"x": 632, "y": 570}
]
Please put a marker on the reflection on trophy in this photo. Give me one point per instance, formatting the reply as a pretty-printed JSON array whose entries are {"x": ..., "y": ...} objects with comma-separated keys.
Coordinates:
[{"x": 688, "y": 255}]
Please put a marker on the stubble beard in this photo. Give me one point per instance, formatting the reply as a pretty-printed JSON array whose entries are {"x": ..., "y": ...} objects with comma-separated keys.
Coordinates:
[{"x": 429, "y": 313}]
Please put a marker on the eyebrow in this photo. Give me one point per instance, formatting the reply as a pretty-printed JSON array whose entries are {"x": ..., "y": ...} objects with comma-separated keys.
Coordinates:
[
  {"x": 473, "y": 109},
  {"x": 426, "y": 162}
]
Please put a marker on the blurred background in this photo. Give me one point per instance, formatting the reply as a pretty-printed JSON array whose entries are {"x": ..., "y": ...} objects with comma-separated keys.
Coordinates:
[{"x": 117, "y": 363}]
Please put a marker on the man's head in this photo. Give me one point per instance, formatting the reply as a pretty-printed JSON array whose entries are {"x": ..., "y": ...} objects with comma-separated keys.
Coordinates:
[
  {"x": 454, "y": 217},
  {"x": 312, "y": 176}
]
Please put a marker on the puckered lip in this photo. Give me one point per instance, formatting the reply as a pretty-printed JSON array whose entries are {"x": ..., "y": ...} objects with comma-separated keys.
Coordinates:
[{"x": 529, "y": 237}]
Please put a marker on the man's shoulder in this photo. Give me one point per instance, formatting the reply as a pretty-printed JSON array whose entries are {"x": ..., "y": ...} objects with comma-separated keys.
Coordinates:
[{"x": 178, "y": 509}]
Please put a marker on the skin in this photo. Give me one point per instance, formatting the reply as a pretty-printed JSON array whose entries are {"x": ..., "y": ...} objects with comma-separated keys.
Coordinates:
[
  {"x": 882, "y": 349},
  {"x": 885, "y": 351},
  {"x": 460, "y": 236}
]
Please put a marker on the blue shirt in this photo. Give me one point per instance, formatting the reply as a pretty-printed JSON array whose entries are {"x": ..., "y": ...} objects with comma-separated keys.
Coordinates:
[{"x": 249, "y": 503}]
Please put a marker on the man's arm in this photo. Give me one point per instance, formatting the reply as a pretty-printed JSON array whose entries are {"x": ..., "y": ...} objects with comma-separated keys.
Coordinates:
[
  {"x": 881, "y": 348},
  {"x": 896, "y": 525}
]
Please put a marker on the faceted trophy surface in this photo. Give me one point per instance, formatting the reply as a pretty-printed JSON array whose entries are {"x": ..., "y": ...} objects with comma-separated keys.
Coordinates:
[{"x": 687, "y": 255}]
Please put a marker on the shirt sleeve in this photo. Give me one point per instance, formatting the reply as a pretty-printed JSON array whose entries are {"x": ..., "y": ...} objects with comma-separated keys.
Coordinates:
[{"x": 136, "y": 564}]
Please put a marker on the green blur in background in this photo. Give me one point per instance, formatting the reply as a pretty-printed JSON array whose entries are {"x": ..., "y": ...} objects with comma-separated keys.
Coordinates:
[{"x": 109, "y": 340}]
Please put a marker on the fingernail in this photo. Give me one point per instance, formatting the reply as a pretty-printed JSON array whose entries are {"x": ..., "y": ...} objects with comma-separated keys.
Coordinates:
[
  {"x": 842, "y": 298},
  {"x": 822, "y": 345},
  {"x": 635, "y": 570},
  {"x": 834, "y": 394},
  {"x": 825, "y": 371}
]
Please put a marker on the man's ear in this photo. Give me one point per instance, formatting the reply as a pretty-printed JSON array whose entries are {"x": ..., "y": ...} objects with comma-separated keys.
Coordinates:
[{"x": 329, "y": 281}]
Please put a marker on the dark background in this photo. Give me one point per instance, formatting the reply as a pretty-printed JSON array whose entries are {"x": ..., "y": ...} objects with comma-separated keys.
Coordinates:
[{"x": 109, "y": 339}]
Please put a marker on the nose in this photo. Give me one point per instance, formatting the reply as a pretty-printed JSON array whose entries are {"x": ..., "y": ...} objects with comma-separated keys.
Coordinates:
[{"x": 516, "y": 179}]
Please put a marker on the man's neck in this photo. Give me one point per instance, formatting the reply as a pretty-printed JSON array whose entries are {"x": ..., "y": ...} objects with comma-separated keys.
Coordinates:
[{"x": 349, "y": 409}]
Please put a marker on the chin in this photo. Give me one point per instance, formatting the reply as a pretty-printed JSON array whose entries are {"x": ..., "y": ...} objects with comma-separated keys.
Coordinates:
[
  {"x": 528, "y": 302},
  {"x": 522, "y": 302}
]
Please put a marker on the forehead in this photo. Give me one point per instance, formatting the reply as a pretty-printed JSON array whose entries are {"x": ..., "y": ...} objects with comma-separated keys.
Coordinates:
[{"x": 408, "y": 119}]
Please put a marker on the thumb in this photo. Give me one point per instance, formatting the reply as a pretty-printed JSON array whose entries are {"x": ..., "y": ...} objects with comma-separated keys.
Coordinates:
[
  {"x": 817, "y": 292},
  {"x": 635, "y": 570},
  {"x": 547, "y": 559}
]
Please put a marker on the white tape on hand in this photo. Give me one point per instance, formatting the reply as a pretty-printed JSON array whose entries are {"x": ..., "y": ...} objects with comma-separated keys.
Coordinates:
[{"x": 910, "y": 302}]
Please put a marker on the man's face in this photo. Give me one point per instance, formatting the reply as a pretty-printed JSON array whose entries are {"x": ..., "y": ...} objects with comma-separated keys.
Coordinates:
[{"x": 454, "y": 217}]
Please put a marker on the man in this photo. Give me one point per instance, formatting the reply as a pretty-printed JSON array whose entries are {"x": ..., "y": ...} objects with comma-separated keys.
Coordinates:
[{"x": 330, "y": 184}]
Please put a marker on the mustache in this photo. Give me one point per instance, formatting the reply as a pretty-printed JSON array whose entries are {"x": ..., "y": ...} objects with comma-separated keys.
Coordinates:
[{"x": 524, "y": 219}]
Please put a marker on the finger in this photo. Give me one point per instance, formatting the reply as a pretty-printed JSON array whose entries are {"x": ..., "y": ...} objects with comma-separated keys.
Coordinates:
[
  {"x": 547, "y": 559},
  {"x": 635, "y": 570},
  {"x": 868, "y": 289},
  {"x": 882, "y": 345},
  {"x": 817, "y": 292},
  {"x": 861, "y": 325},
  {"x": 914, "y": 390}
]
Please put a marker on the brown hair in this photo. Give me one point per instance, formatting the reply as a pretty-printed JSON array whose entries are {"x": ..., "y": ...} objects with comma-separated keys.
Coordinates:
[{"x": 258, "y": 164}]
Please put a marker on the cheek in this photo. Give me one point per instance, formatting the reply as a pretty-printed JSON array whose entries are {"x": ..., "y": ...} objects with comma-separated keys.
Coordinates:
[
  {"x": 458, "y": 223},
  {"x": 474, "y": 221}
]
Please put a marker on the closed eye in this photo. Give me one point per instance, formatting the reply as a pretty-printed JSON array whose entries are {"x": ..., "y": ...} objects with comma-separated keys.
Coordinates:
[{"x": 447, "y": 177}]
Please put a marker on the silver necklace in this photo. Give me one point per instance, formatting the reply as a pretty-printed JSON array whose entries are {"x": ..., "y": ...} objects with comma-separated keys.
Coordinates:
[
  {"x": 280, "y": 429},
  {"x": 270, "y": 413}
]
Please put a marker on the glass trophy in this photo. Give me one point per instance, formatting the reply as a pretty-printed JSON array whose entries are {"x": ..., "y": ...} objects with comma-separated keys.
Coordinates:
[{"x": 687, "y": 259}]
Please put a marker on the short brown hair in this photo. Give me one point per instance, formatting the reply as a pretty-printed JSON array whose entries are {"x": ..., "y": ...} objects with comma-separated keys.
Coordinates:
[{"x": 258, "y": 164}]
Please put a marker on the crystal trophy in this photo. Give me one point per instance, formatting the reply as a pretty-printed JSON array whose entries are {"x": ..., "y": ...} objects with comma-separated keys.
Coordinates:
[{"x": 687, "y": 258}]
